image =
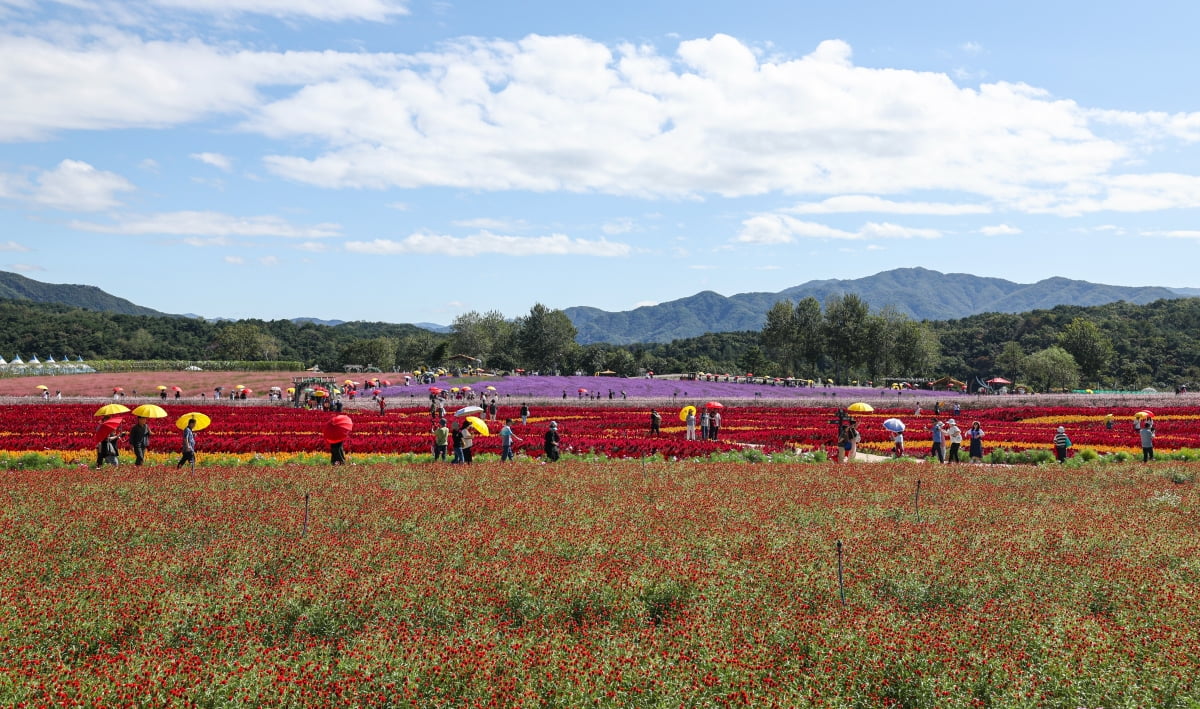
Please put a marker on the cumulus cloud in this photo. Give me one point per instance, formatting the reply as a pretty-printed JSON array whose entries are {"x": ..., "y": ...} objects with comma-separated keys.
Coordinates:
[
  {"x": 867, "y": 203},
  {"x": 371, "y": 10},
  {"x": 73, "y": 185},
  {"x": 217, "y": 160},
  {"x": 488, "y": 243},
  {"x": 771, "y": 229},
  {"x": 716, "y": 116},
  {"x": 209, "y": 224},
  {"x": 999, "y": 230}
]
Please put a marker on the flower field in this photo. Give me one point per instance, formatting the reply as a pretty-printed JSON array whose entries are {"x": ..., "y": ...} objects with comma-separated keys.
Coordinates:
[
  {"x": 612, "y": 430},
  {"x": 620, "y": 584}
]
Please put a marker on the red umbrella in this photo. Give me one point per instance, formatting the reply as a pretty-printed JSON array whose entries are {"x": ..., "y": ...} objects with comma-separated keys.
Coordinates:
[
  {"x": 337, "y": 429},
  {"x": 582, "y": 390},
  {"x": 176, "y": 389},
  {"x": 118, "y": 389},
  {"x": 714, "y": 405},
  {"x": 377, "y": 392},
  {"x": 106, "y": 427},
  {"x": 434, "y": 390},
  {"x": 386, "y": 383},
  {"x": 998, "y": 380}
]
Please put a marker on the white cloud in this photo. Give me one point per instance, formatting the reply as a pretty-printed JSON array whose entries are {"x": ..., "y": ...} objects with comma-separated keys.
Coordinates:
[
  {"x": 72, "y": 185},
  {"x": 1176, "y": 234},
  {"x": 566, "y": 113},
  {"x": 371, "y": 10},
  {"x": 971, "y": 47},
  {"x": 488, "y": 243},
  {"x": 13, "y": 246},
  {"x": 623, "y": 225},
  {"x": 269, "y": 261},
  {"x": 645, "y": 303},
  {"x": 235, "y": 260},
  {"x": 217, "y": 160},
  {"x": 999, "y": 230},
  {"x": 23, "y": 268},
  {"x": 103, "y": 79},
  {"x": 209, "y": 224},
  {"x": 782, "y": 229},
  {"x": 485, "y": 223},
  {"x": 868, "y": 203}
]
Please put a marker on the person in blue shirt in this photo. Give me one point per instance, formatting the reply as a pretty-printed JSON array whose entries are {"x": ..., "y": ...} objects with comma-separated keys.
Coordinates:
[
  {"x": 189, "y": 446},
  {"x": 939, "y": 442},
  {"x": 506, "y": 439}
]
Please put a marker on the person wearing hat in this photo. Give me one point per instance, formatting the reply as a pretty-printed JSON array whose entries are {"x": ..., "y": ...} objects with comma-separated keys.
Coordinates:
[
  {"x": 441, "y": 436},
  {"x": 954, "y": 433},
  {"x": 1061, "y": 443},
  {"x": 550, "y": 443}
]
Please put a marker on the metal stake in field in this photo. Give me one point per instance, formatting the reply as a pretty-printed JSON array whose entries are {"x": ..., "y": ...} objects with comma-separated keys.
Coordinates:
[
  {"x": 304, "y": 529},
  {"x": 841, "y": 582}
]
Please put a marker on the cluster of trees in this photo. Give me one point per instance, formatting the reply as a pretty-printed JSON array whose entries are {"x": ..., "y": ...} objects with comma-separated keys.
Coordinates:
[{"x": 1115, "y": 346}]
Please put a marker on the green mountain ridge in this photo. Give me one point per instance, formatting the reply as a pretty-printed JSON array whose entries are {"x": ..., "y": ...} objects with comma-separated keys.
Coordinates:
[
  {"x": 919, "y": 293},
  {"x": 17, "y": 287}
]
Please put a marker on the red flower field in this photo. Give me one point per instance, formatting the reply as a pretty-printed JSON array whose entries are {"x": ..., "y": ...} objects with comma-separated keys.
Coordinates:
[
  {"x": 606, "y": 429},
  {"x": 617, "y": 584}
]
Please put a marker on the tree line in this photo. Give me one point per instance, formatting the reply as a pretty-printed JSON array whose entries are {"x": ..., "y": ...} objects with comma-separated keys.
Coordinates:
[{"x": 1114, "y": 346}]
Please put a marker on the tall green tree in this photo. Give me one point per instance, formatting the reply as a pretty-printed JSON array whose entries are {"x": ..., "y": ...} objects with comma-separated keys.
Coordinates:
[
  {"x": 779, "y": 335},
  {"x": 377, "y": 352},
  {"x": 546, "y": 338},
  {"x": 479, "y": 335},
  {"x": 1090, "y": 347},
  {"x": 1052, "y": 368},
  {"x": 846, "y": 332}
]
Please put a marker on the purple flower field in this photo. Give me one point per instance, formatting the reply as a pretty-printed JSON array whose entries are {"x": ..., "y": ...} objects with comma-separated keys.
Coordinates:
[{"x": 551, "y": 387}]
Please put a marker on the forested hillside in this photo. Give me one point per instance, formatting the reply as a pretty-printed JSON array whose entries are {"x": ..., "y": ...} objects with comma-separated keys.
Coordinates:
[{"x": 1119, "y": 345}]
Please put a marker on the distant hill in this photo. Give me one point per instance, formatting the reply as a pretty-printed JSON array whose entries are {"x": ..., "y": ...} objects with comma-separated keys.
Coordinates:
[
  {"x": 17, "y": 287},
  {"x": 919, "y": 293}
]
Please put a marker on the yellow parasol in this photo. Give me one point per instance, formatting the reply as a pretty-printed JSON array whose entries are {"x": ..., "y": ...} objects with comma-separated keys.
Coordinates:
[
  {"x": 43, "y": 387},
  {"x": 150, "y": 411},
  {"x": 479, "y": 426},
  {"x": 111, "y": 410},
  {"x": 202, "y": 421},
  {"x": 861, "y": 407},
  {"x": 161, "y": 387},
  {"x": 683, "y": 413}
]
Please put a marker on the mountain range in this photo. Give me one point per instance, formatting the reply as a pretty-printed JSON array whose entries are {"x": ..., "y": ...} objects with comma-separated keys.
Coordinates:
[{"x": 919, "y": 293}]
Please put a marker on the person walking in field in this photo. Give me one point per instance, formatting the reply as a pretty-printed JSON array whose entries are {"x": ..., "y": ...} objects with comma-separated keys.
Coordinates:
[
  {"x": 468, "y": 444},
  {"x": 898, "y": 444},
  {"x": 139, "y": 440},
  {"x": 714, "y": 425},
  {"x": 704, "y": 426},
  {"x": 524, "y": 414},
  {"x": 550, "y": 442},
  {"x": 655, "y": 422},
  {"x": 1061, "y": 443},
  {"x": 1145, "y": 429},
  {"x": 506, "y": 441},
  {"x": 188, "y": 447},
  {"x": 954, "y": 433},
  {"x": 691, "y": 425},
  {"x": 938, "y": 447},
  {"x": 441, "y": 436}
]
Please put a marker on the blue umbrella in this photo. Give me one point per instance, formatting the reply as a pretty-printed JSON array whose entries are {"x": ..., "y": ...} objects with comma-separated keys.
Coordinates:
[{"x": 894, "y": 425}]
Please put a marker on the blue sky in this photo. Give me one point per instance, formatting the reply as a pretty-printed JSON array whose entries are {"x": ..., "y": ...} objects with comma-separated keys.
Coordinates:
[{"x": 408, "y": 161}]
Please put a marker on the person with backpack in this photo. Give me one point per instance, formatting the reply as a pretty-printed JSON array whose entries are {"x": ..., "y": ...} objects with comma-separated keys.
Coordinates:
[{"x": 1061, "y": 443}]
